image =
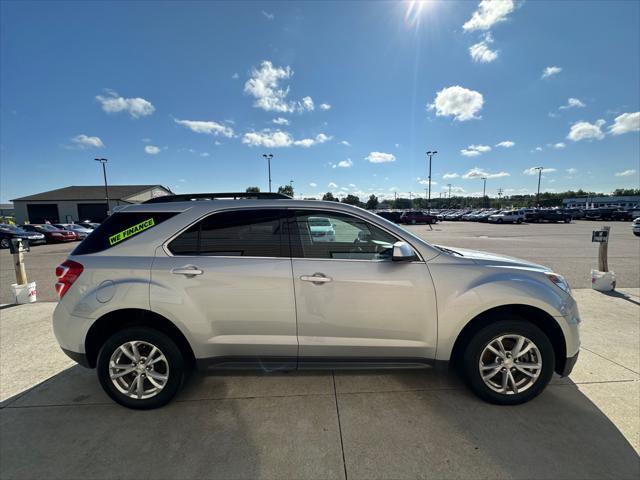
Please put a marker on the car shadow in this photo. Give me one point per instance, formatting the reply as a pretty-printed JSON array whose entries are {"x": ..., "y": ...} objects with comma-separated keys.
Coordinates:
[{"x": 400, "y": 424}]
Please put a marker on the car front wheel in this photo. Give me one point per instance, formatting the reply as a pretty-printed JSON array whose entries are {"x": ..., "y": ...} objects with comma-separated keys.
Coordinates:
[
  {"x": 140, "y": 368},
  {"x": 508, "y": 362}
]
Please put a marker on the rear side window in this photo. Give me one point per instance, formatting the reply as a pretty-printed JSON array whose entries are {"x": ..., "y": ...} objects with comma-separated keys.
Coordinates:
[
  {"x": 237, "y": 233},
  {"x": 118, "y": 228}
]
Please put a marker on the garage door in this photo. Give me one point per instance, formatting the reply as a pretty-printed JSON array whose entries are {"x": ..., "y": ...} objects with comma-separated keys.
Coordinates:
[
  {"x": 93, "y": 212},
  {"x": 41, "y": 213}
]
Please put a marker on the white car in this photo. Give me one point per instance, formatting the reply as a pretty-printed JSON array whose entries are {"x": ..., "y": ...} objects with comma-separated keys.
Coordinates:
[
  {"x": 321, "y": 229},
  {"x": 171, "y": 283},
  {"x": 635, "y": 226},
  {"x": 510, "y": 216}
]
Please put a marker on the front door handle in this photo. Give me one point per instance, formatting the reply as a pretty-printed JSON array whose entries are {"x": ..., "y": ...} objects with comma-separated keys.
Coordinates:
[
  {"x": 188, "y": 271},
  {"x": 317, "y": 278}
]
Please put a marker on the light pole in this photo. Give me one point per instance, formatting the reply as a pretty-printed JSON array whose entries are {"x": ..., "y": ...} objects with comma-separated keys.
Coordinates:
[
  {"x": 268, "y": 156},
  {"x": 500, "y": 191},
  {"x": 104, "y": 161},
  {"x": 449, "y": 185},
  {"x": 484, "y": 190},
  {"x": 539, "y": 177},
  {"x": 430, "y": 154}
]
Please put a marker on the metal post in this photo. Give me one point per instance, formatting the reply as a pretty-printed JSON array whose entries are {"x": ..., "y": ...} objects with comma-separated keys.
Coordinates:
[
  {"x": 539, "y": 177},
  {"x": 268, "y": 157},
  {"x": 484, "y": 191},
  {"x": 430, "y": 154},
  {"x": 18, "y": 263},
  {"x": 603, "y": 261},
  {"x": 104, "y": 161}
]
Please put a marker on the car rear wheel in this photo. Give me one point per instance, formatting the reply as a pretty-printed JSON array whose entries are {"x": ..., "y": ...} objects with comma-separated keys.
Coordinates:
[
  {"x": 519, "y": 220},
  {"x": 508, "y": 362},
  {"x": 140, "y": 368},
  {"x": 4, "y": 243}
]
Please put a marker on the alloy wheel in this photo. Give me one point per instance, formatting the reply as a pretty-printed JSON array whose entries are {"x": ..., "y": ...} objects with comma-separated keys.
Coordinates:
[
  {"x": 138, "y": 369},
  {"x": 510, "y": 364}
]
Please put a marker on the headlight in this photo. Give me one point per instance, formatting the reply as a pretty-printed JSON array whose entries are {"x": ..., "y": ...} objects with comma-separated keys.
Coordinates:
[{"x": 559, "y": 281}]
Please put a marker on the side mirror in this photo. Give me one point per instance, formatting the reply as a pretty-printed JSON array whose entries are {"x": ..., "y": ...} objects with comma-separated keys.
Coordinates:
[{"x": 402, "y": 252}]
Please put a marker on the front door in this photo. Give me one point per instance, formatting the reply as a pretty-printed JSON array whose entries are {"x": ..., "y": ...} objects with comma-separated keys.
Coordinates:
[
  {"x": 227, "y": 281},
  {"x": 352, "y": 300}
]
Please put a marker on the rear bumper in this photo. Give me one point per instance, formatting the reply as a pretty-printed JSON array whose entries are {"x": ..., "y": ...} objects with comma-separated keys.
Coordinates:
[{"x": 79, "y": 358}]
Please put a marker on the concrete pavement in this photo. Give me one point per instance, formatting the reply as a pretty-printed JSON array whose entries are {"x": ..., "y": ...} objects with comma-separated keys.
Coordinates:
[{"x": 55, "y": 422}]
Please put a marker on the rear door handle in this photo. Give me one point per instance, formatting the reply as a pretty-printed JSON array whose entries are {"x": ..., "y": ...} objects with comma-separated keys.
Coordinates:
[
  {"x": 317, "y": 278},
  {"x": 188, "y": 271}
]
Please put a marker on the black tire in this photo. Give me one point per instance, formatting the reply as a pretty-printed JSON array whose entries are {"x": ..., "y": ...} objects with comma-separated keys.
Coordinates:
[
  {"x": 174, "y": 357},
  {"x": 4, "y": 243},
  {"x": 499, "y": 220},
  {"x": 519, "y": 221},
  {"x": 476, "y": 345}
]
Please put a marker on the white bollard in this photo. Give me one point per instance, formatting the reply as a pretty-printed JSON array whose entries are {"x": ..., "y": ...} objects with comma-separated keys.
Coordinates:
[
  {"x": 603, "y": 281},
  {"x": 25, "y": 293}
]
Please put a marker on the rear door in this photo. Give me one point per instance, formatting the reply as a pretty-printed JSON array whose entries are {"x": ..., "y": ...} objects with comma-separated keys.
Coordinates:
[
  {"x": 227, "y": 279},
  {"x": 355, "y": 303}
]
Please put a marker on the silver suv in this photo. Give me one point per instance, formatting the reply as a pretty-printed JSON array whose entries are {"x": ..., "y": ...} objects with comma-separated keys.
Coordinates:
[{"x": 221, "y": 283}]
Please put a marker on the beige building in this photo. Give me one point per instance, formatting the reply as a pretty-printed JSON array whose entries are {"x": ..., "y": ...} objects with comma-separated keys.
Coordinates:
[{"x": 80, "y": 203}]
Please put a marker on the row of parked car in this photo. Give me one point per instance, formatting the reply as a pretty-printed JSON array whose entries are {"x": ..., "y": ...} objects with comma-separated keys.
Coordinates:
[{"x": 38, "y": 234}]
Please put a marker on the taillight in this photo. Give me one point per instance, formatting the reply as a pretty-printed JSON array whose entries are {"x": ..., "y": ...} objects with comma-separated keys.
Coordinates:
[{"x": 67, "y": 273}]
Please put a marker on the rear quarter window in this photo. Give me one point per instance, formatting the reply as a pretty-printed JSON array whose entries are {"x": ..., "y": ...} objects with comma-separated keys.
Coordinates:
[{"x": 118, "y": 228}]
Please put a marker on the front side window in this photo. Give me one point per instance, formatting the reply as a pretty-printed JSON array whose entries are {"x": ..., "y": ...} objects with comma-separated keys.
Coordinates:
[
  {"x": 338, "y": 236},
  {"x": 236, "y": 233}
]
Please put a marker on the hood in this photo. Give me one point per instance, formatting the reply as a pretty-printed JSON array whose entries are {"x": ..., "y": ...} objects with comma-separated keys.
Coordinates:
[{"x": 492, "y": 259}]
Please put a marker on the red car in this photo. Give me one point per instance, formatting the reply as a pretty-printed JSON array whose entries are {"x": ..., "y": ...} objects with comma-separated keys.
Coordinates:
[
  {"x": 417, "y": 216},
  {"x": 51, "y": 233}
]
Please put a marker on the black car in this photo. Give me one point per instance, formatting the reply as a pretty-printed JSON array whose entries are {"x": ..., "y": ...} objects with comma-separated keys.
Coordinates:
[
  {"x": 547, "y": 216},
  {"x": 7, "y": 232},
  {"x": 601, "y": 213},
  {"x": 622, "y": 215},
  {"x": 392, "y": 216}
]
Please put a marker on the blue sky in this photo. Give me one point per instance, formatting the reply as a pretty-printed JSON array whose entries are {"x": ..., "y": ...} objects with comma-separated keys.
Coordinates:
[{"x": 347, "y": 96}]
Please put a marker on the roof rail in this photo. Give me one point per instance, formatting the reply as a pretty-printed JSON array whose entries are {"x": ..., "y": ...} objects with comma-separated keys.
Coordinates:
[{"x": 191, "y": 197}]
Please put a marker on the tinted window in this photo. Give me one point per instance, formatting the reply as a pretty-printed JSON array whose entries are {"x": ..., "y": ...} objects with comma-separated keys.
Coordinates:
[
  {"x": 238, "y": 233},
  {"x": 346, "y": 237},
  {"x": 118, "y": 228}
]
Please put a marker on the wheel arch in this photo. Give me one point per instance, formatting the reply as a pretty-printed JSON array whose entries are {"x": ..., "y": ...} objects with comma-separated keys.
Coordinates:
[
  {"x": 535, "y": 315},
  {"x": 117, "y": 320}
]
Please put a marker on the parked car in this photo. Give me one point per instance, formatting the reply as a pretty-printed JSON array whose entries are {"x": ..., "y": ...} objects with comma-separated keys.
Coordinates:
[
  {"x": 484, "y": 216},
  {"x": 81, "y": 231},
  {"x": 548, "y": 215},
  {"x": 599, "y": 213},
  {"x": 7, "y": 232},
  {"x": 576, "y": 213},
  {"x": 635, "y": 227},
  {"x": 159, "y": 287},
  {"x": 622, "y": 215},
  {"x": 417, "y": 216},
  {"x": 321, "y": 229},
  {"x": 508, "y": 216},
  {"x": 391, "y": 215},
  {"x": 52, "y": 234}
]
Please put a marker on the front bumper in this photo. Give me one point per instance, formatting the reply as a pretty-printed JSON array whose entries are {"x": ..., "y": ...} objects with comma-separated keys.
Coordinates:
[
  {"x": 79, "y": 358},
  {"x": 568, "y": 365}
]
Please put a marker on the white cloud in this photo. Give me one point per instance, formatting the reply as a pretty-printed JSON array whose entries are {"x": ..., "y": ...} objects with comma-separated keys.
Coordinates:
[
  {"x": 626, "y": 173},
  {"x": 572, "y": 170},
  {"x": 550, "y": 71},
  {"x": 475, "y": 150},
  {"x": 481, "y": 53},
  {"x": 459, "y": 102},
  {"x": 450, "y": 175},
  {"x": 489, "y": 13},
  {"x": 506, "y": 144},
  {"x": 84, "y": 141},
  {"x": 278, "y": 139},
  {"x": 572, "y": 103},
  {"x": 207, "y": 127},
  {"x": 152, "y": 149},
  {"x": 534, "y": 170},
  {"x": 136, "y": 107},
  {"x": 204, "y": 154},
  {"x": 380, "y": 157},
  {"x": 313, "y": 184},
  {"x": 559, "y": 145},
  {"x": 332, "y": 185},
  {"x": 325, "y": 106},
  {"x": 586, "y": 131},
  {"x": 310, "y": 142},
  {"x": 538, "y": 149},
  {"x": 477, "y": 172},
  {"x": 235, "y": 76},
  {"x": 627, "y": 122},
  {"x": 264, "y": 86},
  {"x": 345, "y": 143},
  {"x": 280, "y": 121},
  {"x": 348, "y": 163},
  {"x": 268, "y": 16}
]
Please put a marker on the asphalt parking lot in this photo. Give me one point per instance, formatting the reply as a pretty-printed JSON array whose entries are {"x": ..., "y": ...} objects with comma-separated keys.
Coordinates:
[{"x": 567, "y": 248}]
